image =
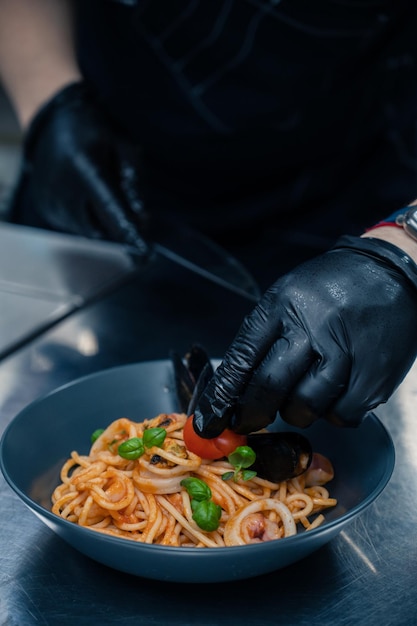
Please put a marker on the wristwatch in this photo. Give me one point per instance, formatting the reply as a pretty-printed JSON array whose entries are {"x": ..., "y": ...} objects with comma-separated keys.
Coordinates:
[{"x": 408, "y": 220}]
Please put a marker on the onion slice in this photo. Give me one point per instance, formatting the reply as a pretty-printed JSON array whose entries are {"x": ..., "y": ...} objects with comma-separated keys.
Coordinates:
[{"x": 232, "y": 531}]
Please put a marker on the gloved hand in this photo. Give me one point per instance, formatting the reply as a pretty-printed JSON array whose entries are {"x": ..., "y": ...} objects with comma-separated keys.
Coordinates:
[
  {"x": 332, "y": 339},
  {"x": 78, "y": 174}
]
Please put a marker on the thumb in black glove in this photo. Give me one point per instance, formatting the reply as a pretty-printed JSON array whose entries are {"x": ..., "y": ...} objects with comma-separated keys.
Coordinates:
[
  {"x": 78, "y": 173},
  {"x": 331, "y": 339}
]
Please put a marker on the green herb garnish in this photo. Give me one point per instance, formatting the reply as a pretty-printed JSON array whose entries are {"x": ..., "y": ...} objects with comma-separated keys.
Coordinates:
[
  {"x": 131, "y": 449},
  {"x": 154, "y": 437},
  {"x": 196, "y": 488},
  {"x": 241, "y": 458},
  {"x": 96, "y": 434},
  {"x": 206, "y": 513}
]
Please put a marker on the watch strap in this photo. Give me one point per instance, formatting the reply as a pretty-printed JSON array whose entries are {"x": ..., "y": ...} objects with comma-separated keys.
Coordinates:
[
  {"x": 405, "y": 218},
  {"x": 408, "y": 221}
]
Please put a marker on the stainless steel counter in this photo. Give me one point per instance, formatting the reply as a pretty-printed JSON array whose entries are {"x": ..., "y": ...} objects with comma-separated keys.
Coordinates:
[
  {"x": 367, "y": 575},
  {"x": 45, "y": 277}
]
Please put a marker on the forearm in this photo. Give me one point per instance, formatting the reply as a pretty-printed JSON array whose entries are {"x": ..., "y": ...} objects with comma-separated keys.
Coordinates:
[
  {"x": 37, "y": 56},
  {"x": 396, "y": 236}
]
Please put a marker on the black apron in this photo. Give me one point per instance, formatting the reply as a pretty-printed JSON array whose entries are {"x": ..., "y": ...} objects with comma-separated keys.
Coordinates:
[{"x": 273, "y": 127}]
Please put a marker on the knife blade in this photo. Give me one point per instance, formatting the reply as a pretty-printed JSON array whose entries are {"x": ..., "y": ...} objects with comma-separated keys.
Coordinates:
[
  {"x": 227, "y": 273},
  {"x": 199, "y": 254}
]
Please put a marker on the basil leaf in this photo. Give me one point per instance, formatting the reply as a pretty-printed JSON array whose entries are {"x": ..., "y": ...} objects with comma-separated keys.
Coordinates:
[
  {"x": 242, "y": 457},
  {"x": 131, "y": 449},
  {"x": 96, "y": 434},
  {"x": 248, "y": 474},
  {"x": 206, "y": 515},
  {"x": 196, "y": 488},
  {"x": 154, "y": 437},
  {"x": 227, "y": 475}
]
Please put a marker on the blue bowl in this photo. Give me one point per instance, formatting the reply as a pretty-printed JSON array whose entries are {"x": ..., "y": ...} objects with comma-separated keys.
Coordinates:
[{"x": 40, "y": 438}]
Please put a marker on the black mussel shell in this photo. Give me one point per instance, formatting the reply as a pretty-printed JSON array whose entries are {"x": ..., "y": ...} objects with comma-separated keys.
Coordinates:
[
  {"x": 197, "y": 360},
  {"x": 191, "y": 374},
  {"x": 280, "y": 456},
  {"x": 184, "y": 383},
  {"x": 200, "y": 385}
]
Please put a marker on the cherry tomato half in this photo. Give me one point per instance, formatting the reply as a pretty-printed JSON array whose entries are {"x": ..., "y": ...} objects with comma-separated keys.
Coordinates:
[{"x": 214, "y": 448}]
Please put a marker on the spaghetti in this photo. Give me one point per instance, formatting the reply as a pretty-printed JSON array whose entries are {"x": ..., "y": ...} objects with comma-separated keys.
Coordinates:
[{"x": 143, "y": 499}]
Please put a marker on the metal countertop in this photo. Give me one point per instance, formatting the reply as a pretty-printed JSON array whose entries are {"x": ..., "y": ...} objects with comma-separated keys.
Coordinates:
[{"x": 367, "y": 575}]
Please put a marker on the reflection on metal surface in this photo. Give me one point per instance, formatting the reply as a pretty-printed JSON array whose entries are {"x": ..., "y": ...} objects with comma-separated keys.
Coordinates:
[
  {"x": 83, "y": 340},
  {"x": 407, "y": 400},
  {"x": 358, "y": 551},
  {"x": 46, "y": 276},
  {"x": 40, "y": 362},
  {"x": 53, "y": 266},
  {"x": 87, "y": 342}
]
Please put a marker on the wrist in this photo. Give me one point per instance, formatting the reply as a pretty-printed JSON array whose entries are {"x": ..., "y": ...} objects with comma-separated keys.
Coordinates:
[
  {"x": 397, "y": 236},
  {"x": 37, "y": 52},
  {"x": 27, "y": 108},
  {"x": 70, "y": 95}
]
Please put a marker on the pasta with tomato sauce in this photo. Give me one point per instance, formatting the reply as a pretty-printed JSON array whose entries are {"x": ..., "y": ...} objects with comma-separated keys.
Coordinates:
[{"x": 157, "y": 496}]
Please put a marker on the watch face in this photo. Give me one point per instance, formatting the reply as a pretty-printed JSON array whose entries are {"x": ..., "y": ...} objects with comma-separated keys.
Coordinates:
[{"x": 409, "y": 222}]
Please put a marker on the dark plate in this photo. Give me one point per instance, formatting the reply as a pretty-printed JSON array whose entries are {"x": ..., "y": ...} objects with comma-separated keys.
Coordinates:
[{"x": 41, "y": 437}]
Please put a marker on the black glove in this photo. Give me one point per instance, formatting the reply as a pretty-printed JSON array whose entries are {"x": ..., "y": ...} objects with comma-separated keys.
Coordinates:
[
  {"x": 78, "y": 173},
  {"x": 331, "y": 339}
]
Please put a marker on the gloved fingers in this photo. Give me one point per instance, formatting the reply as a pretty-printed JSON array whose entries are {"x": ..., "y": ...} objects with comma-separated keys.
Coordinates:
[
  {"x": 108, "y": 207},
  {"x": 351, "y": 408},
  {"x": 317, "y": 392},
  {"x": 218, "y": 402},
  {"x": 257, "y": 334},
  {"x": 272, "y": 382},
  {"x": 130, "y": 184}
]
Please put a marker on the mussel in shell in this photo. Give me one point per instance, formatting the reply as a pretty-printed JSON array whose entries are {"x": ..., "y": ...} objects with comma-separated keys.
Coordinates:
[
  {"x": 280, "y": 455},
  {"x": 191, "y": 375}
]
